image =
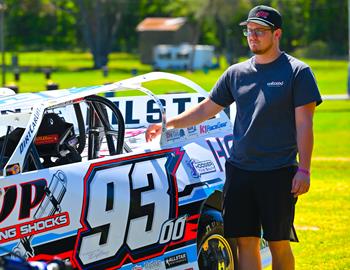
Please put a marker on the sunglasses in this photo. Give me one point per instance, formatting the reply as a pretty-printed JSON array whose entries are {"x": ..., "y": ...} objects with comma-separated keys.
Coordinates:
[{"x": 259, "y": 32}]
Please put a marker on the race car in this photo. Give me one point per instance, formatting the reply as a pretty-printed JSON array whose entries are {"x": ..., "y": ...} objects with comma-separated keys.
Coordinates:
[{"x": 79, "y": 183}]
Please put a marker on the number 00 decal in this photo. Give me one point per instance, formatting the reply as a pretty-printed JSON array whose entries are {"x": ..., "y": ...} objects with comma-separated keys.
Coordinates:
[{"x": 128, "y": 203}]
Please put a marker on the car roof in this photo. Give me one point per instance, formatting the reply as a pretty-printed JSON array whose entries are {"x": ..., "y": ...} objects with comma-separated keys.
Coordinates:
[
  {"x": 26, "y": 101},
  {"x": 27, "y": 109}
]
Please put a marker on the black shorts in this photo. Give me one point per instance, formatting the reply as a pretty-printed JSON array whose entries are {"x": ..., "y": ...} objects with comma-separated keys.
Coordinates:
[{"x": 259, "y": 199}]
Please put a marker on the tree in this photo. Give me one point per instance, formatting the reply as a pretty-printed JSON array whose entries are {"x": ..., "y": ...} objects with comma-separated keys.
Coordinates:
[
  {"x": 214, "y": 15},
  {"x": 100, "y": 20},
  {"x": 39, "y": 24}
]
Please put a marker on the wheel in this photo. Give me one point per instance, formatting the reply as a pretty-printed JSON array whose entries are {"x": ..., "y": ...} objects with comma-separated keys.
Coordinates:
[{"x": 214, "y": 250}]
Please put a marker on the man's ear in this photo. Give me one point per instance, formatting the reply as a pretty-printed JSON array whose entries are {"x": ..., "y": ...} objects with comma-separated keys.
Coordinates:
[{"x": 278, "y": 33}]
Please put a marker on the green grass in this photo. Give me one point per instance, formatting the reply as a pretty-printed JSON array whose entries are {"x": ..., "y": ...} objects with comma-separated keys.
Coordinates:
[
  {"x": 74, "y": 69},
  {"x": 323, "y": 215},
  {"x": 327, "y": 205},
  {"x": 331, "y": 76}
]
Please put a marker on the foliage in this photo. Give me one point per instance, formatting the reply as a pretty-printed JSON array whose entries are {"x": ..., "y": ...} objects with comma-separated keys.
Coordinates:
[
  {"x": 317, "y": 49},
  {"x": 39, "y": 24},
  {"x": 100, "y": 20},
  {"x": 79, "y": 24}
]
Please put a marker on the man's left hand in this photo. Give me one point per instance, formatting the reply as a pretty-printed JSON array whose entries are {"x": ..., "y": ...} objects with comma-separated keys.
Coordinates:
[{"x": 301, "y": 184}]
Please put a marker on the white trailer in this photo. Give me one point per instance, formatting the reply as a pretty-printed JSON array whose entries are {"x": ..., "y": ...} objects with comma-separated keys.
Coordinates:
[{"x": 180, "y": 56}]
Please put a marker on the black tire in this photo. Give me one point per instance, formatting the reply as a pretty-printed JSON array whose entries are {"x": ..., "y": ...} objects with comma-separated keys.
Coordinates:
[{"x": 214, "y": 250}]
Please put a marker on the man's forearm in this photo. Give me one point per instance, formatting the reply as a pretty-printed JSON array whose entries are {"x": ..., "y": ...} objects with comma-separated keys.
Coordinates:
[
  {"x": 305, "y": 138},
  {"x": 305, "y": 141},
  {"x": 195, "y": 115}
]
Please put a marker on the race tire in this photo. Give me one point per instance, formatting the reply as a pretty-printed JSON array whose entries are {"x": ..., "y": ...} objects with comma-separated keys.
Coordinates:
[{"x": 214, "y": 250}]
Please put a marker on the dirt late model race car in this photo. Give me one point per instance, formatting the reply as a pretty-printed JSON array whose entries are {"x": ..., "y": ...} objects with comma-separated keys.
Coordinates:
[{"x": 79, "y": 182}]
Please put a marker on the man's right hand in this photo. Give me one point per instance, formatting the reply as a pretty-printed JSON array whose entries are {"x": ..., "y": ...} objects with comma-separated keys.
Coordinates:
[{"x": 153, "y": 131}]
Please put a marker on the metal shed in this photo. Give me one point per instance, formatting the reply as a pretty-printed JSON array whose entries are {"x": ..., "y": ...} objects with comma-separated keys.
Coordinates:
[{"x": 154, "y": 31}]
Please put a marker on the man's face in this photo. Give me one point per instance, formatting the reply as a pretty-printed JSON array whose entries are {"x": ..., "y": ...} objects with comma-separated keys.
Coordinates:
[{"x": 260, "y": 38}]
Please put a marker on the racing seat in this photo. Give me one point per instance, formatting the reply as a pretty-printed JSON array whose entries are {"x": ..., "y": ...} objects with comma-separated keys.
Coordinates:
[
  {"x": 12, "y": 141},
  {"x": 56, "y": 141},
  {"x": 9, "y": 143}
]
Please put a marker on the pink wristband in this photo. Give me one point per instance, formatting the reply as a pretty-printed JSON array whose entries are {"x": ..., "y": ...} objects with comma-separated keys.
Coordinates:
[{"x": 304, "y": 171}]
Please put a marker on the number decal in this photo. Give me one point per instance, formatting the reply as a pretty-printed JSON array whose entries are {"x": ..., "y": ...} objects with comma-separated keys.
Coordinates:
[
  {"x": 173, "y": 230},
  {"x": 153, "y": 203},
  {"x": 130, "y": 210},
  {"x": 108, "y": 230}
]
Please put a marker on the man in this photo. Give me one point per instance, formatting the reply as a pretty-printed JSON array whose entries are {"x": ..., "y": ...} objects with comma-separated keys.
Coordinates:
[{"x": 276, "y": 96}]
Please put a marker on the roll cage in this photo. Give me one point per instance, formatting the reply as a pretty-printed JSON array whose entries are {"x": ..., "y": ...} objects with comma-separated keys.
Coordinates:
[{"x": 92, "y": 129}]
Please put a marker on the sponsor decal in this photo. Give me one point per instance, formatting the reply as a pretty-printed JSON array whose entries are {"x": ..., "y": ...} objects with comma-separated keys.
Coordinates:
[
  {"x": 37, "y": 202},
  {"x": 203, "y": 167},
  {"x": 34, "y": 227},
  {"x": 194, "y": 172},
  {"x": 275, "y": 84},
  {"x": 154, "y": 265},
  {"x": 175, "y": 260},
  {"x": 199, "y": 168},
  {"x": 30, "y": 131},
  {"x": 31, "y": 195},
  {"x": 46, "y": 139},
  {"x": 174, "y": 134},
  {"x": 192, "y": 130},
  {"x": 207, "y": 128}
]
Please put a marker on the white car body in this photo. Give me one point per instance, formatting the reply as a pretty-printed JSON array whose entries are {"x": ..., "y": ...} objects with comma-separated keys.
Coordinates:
[{"x": 139, "y": 207}]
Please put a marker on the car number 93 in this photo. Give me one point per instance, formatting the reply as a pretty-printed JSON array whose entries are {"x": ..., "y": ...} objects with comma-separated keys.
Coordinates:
[{"x": 132, "y": 215}]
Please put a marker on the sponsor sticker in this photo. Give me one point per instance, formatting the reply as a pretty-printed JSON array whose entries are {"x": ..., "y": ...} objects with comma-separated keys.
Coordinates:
[
  {"x": 174, "y": 134},
  {"x": 154, "y": 265},
  {"x": 203, "y": 129},
  {"x": 175, "y": 260},
  {"x": 192, "y": 130},
  {"x": 46, "y": 139},
  {"x": 30, "y": 131},
  {"x": 199, "y": 168},
  {"x": 34, "y": 227}
]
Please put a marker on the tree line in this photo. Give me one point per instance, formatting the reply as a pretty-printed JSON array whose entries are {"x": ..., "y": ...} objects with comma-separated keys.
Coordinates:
[{"x": 312, "y": 28}]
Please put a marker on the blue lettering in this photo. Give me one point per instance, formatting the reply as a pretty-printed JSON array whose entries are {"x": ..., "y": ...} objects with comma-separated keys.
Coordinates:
[
  {"x": 152, "y": 110},
  {"x": 128, "y": 114},
  {"x": 181, "y": 101}
]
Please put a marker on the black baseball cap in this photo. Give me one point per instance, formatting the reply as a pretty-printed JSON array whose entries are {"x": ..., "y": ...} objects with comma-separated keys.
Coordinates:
[{"x": 264, "y": 15}]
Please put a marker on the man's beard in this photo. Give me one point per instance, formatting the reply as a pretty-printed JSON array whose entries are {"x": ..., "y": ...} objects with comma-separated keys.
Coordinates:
[{"x": 261, "y": 51}]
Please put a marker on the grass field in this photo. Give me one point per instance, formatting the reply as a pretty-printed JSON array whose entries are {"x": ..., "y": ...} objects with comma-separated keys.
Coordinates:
[
  {"x": 74, "y": 69},
  {"x": 323, "y": 215}
]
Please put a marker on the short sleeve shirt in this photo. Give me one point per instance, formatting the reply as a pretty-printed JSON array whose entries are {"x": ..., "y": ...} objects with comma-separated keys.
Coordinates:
[{"x": 266, "y": 95}]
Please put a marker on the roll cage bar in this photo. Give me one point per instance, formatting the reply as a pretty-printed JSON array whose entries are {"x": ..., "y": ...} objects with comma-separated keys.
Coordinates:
[{"x": 74, "y": 96}]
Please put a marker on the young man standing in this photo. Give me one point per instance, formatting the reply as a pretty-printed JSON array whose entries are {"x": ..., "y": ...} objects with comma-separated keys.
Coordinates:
[{"x": 276, "y": 96}]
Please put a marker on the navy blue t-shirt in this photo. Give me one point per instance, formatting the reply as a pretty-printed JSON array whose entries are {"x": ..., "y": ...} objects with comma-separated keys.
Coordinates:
[{"x": 266, "y": 96}]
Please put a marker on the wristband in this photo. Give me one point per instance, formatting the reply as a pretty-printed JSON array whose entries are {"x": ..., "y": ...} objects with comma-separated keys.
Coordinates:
[{"x": 304, "y": 171}]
